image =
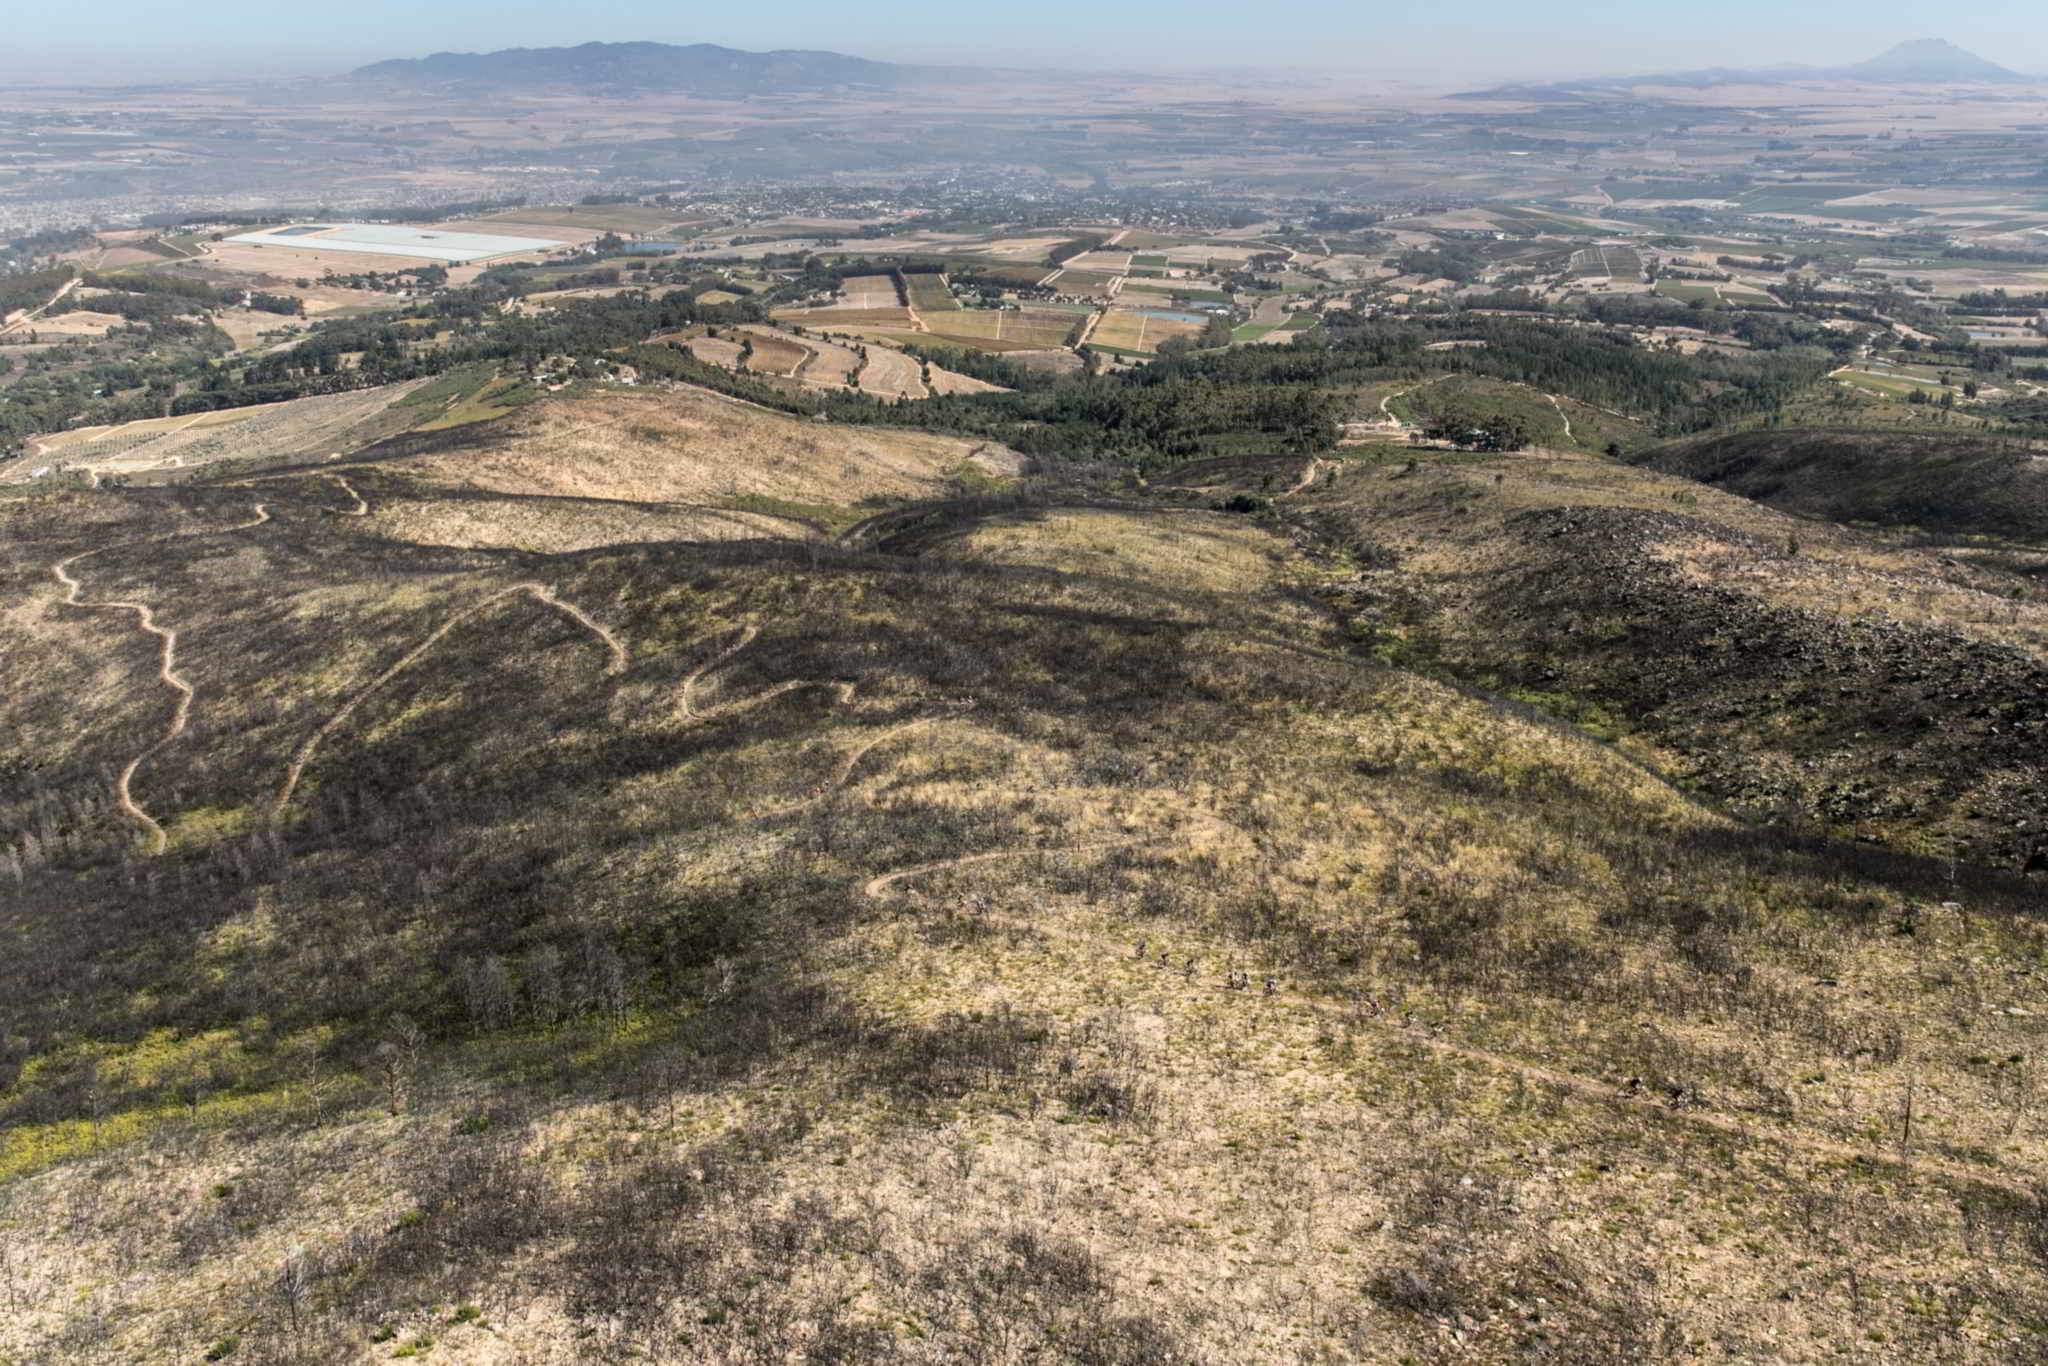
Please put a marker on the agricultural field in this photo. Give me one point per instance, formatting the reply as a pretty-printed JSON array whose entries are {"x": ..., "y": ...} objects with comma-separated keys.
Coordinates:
[
  {"x": 1110, "y": 262},
  {"x": 1010, "y": 328},
  {"x": 1822, "y": 201},
  {"x": 596, "y": 219},
  {"x": 821, "y": 363},
  {"x": 846, "y": 317},
  {"x": 568, "y": 237},
  {"x": 1208, "y": 256},
  {"x": 831, "y": 366},
  {"x": 1140, "y": 239},
  {"x": 720, "y": 351},
  {"x": 301, "y": 262},
  {"x": 1083, "y": 283},
  {"x": 1686, "y": 291},
  {"x": 1193, "y": 291},
  {"x": 774, "y": 353},
  {"x": 930, "y": 292},
  {"x": 1143, "y": 331},
  {"x": 1021, "y": 248},
  {"x": 1620, "y": 264},
  {"x": 868, "y": 292},
  {"x": 889, "y": 373},
  {"x": 1026, "y": 276}
]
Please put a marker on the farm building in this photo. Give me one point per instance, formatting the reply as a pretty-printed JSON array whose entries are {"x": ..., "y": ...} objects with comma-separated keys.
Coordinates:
[{"x": 385, "y": 239}]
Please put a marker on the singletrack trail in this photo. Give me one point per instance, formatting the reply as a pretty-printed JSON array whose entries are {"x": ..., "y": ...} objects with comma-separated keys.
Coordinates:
[
  {"x": 1568, "y": 435},
  {"x": 843, "y": 775},
  {"x": 685, "y": 702},
  {"x": 167, "y": 668},
  {"x": 361, "y": 509},
  {"x": 1308, "y": 476},
  {"x": 875, "y": 886},
  {"x": 539, "y": 592}
]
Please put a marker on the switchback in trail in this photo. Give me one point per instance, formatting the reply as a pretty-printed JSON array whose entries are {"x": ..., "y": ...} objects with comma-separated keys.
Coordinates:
[{"x": 167, "y": 665}]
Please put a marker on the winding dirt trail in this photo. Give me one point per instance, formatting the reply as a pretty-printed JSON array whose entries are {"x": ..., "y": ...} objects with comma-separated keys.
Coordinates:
[
  {"x": 686, "y": 704},
  {"x": 843, "y": 775},
  {"x": 1386, "y": 404},
  {"x": 1308, "y": 477},
  {"x": 875, "y": 886},
  {"x": 539, "y": 592},
  {"x": 167, "y": 668},
  {"x": 361, "y": 509},
  {"x": 1567, "y": 417}
]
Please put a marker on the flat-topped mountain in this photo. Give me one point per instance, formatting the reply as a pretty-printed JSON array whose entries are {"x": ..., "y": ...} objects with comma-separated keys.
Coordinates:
[{"x": 698, "y": 67}]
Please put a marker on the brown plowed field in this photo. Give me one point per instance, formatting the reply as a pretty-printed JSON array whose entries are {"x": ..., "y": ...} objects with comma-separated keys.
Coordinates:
[
  {"x": 847, "y": 317},
  {"x": 891, "y": 374}
]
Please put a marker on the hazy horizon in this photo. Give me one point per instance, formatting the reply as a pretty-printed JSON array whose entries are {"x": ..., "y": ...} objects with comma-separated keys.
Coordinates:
[{"x": 240, "y": 39}]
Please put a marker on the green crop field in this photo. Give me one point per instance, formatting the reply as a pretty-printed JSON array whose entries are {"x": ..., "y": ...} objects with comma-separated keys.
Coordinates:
[
  {"x": 1137, "y": 239},
  {"x": 1685, "y": 291},
  {"x": 596, "y": 217},
  {"x": 930, "y": 293}
]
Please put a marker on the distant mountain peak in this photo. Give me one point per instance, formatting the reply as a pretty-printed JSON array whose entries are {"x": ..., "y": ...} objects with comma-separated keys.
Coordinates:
[
  {"x": 1922, "y": 61},
  {"x": 1930, "y": 59}
]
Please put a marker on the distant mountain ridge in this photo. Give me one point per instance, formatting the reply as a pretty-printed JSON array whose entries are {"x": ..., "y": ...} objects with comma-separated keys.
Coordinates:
[
  {"x": 1923, "y": 61},
  {"x": 702, "y": 68}
]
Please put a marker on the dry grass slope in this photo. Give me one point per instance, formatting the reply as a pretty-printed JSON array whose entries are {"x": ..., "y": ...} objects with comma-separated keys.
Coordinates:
[{"x": 1064, "y": 931}]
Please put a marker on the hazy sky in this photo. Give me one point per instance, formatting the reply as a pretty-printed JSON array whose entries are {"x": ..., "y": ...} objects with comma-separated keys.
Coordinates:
[{"x": 174, "y": 39}]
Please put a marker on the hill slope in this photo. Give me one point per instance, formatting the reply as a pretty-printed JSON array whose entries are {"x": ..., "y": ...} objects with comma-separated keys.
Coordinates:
[
  {"x": 1951, "y": 483},
  {"x": 1053, "y": 931},
  {"x": 1790, "y": 668}
]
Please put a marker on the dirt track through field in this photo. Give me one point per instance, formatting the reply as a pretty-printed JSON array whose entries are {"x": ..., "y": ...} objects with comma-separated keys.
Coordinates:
[
  {"x": 167, "y": 669},
  {"x": 539, "y": 592}
]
